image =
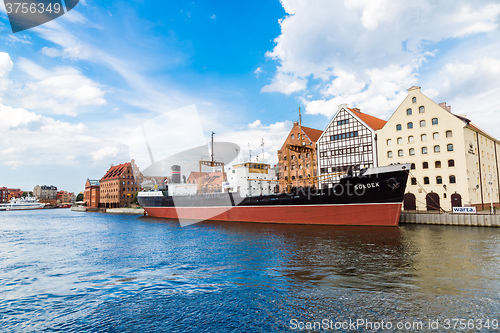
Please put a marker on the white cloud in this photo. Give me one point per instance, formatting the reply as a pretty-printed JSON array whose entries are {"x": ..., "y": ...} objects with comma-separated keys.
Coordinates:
[
  {"x": 285, "y": 83},
  {"x": 5, "y": 68},
  {"x": 368, "y": 52},
  {"x": 250, "y": 139},
  {"x": 60, "y": 90},
  {"x": 105, "y": 153}
]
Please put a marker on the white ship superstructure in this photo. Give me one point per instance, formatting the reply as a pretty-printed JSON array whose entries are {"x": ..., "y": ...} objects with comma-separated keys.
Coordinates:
[
  {"x": 251, "y": 179},
  {"x": 22, "y": 204}
]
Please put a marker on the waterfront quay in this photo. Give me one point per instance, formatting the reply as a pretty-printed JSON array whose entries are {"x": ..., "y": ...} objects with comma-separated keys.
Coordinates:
[{"x": 477, "y": 220}]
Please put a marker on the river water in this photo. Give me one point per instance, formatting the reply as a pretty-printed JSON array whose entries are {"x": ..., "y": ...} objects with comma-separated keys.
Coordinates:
[{"x": 71, "y": 272}]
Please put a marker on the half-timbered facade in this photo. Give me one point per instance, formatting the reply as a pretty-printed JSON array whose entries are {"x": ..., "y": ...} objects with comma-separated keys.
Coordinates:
[{"x": 348, "y": 141}]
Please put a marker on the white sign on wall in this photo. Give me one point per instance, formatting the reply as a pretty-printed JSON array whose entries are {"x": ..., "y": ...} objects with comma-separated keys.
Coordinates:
[{"x": 466, "y": 210}]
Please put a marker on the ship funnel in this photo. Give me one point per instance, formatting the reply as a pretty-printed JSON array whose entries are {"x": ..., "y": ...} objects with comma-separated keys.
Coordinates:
[{"x": 176, "y": 174}]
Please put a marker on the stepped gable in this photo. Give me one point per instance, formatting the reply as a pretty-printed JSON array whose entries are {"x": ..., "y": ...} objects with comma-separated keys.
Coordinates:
[{"x": 115, "y": 171}]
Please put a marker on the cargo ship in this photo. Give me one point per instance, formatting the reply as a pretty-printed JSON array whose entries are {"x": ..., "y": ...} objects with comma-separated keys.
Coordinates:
[{"x": 367, "y": 197}]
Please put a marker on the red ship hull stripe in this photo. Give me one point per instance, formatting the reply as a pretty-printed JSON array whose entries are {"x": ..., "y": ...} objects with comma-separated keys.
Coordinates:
[{"x": 352, "y": 214}]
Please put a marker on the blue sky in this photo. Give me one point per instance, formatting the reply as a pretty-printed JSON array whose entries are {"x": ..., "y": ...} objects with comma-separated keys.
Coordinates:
[{"x": 72, "y": 90}]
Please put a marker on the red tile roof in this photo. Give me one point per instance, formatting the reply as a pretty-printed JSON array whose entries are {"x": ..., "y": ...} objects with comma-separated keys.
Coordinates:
[
  {"x": 115, "y": 171},
  {"x": 374, "y": 122},
  {"x": 312, "y": 133}
]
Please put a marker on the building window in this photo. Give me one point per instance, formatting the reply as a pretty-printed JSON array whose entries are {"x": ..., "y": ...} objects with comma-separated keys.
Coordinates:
[
  {"x": 343, "y": 122},
  {"x": 423, "y": 137},
  {"x": 409, "y": 125},
  {"x": 421, "y": 109},
  {"x": 412, "y": 151},
  {"x": 453, "y": 180},
  {"x": 308, "y": 155},
  {"x": 389, "y": 142},
  {"x": 414, "y": 181},
  {"x": 449, "y": 147},
  {"x": 426, "y": 180},
  {"x": 400, "y": 141},
  {"x": 414, "y": 100},
  {"x": 412, "y": 166},
  {"x": 398, "y": 127},
  {"x": 425, "y": 165},
  {"x": 422, "y": 123},
  {"x": 424, "y": 150},
  {"x": 435, "y": 136},
  {"x": 437, "y": 149},
  {"x": 400, "y": 152},
  {"x": 449, "y": 134},
  {"x": 389, "y": 154},
  {"x": 410, "y": 139},
  {"x": 408, "y": 112},
  {"x": 437, "y": 164},
  {"x": 439, "y": 180},
  {"x": 451, "y": 163},
  {"x": 434, "y": 121},
  {"x": 292, "y": 137}
]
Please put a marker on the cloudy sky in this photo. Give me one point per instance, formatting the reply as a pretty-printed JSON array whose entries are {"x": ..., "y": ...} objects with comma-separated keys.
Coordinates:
[{"x": 75, "y": 91}]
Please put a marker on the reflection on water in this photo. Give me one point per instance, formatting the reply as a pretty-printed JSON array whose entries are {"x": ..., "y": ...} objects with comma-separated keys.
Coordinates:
[{"x": 69, "y": 271}]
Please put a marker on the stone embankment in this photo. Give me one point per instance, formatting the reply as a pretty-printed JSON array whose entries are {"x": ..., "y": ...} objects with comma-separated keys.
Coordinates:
[
  {"x": 477, "y": 220},
  {"x": 135, "y": 211}
]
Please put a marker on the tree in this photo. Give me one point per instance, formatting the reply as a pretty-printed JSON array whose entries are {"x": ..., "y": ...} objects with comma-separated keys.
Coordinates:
[
  {"x": 135, "y": 198},
  {"x": 79, "y": 197}
]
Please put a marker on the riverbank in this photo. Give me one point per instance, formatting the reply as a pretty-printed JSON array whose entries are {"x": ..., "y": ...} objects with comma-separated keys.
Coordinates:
[
  {"x": 130, "y": 211},
  {"x": 476, "y": 220}
]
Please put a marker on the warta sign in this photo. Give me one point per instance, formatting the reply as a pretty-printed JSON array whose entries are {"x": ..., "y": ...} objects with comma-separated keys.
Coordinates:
[
  {"x": 464, "y": 210},
  {"x": 26, "y": 14}
]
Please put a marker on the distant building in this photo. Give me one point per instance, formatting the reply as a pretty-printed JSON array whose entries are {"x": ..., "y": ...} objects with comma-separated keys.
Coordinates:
[
  {"x": 64, "y": 197},
  {"x": 45, "y": 192},
  {"x": 119, "y": 185},
  {"x": 297, "y": 165},
  {"x": 4, "y": 194},
  {"x": 453, "y": 162},
  {"x": 91, "y": 195},
  {"x": 348, "y": 141},
  {"x": 210, "y": 181},
  {"x": 15, "y": 193}
]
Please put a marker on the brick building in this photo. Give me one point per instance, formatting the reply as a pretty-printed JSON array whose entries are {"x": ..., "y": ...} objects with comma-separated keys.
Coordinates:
[
  {"x": 4, "y": 194},
  {"x": 211, "y": 181},
  {"x": 297, "y": 158},
  {"x": 119, "y": 185},
  {"x": 91, "y": 195},
  {"x": 65, "y": 197},
  {"x": 15, "y": 193}
]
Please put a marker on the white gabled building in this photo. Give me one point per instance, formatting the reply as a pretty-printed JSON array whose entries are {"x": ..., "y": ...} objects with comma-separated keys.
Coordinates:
[
  {"x": 454, "y": 163},
  {"x": 349, "y": 140}
]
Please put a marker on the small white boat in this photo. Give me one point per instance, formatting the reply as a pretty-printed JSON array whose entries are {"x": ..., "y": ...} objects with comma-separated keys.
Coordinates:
[{"x": 22, "y": 204}]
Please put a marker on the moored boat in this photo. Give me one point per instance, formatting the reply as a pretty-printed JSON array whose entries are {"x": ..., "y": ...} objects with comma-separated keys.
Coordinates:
[
  {"x": 371, "y": 197},
  {"x": 26, "y": 203}
]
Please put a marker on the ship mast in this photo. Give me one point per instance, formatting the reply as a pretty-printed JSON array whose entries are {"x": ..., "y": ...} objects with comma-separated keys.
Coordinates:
[{"x": 212, "y": 163}]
